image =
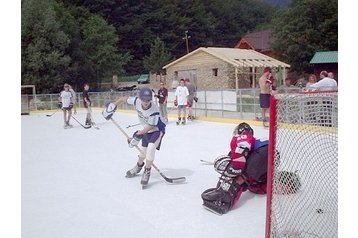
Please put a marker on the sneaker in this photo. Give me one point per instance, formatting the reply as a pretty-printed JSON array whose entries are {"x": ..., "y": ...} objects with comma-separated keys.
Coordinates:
[
  {"x": 183, "y": 122},
  {"x": 145, "y": 176},
  {"x": 69, "y": 125},
  {"x": 133, "y": 172}
]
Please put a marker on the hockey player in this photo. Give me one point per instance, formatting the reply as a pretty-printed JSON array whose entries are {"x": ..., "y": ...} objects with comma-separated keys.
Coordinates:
[
  {"x": 87, "y": 104},
  {"x": 181, "y": 99},
  {"x": 65, "y": 102},
  {"x": 244, "y": 168},
  {"x": 151, "y": 135}
]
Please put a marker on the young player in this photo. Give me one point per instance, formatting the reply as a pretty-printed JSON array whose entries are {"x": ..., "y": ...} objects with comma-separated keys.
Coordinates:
[
  {"x": 151, "y": 134},
  {"x": 65, "y": 102},
  {"x": 244, "y": 168},
  {"x": 87, "y": 104},
  {"x": 181, "y": 99}
]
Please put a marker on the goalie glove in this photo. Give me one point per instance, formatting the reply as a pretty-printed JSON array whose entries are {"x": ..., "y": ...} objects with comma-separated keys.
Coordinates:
[
  {"x": 60, "y": 104},
  {"x": 134, "y": 141},
  {"x": 109, "y": 111},
  {"x": 175, "y": 103},
  {"x": 71, "y": 105}
]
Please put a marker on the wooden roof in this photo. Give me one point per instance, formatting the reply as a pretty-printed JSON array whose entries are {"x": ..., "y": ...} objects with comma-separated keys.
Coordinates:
[
  {"x": 256, "y": 40},
  {"x": 236, "y": 57}
]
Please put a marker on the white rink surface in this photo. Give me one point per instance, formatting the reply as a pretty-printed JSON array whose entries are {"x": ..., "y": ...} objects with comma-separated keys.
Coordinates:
[{"x": 73, "y": 184}]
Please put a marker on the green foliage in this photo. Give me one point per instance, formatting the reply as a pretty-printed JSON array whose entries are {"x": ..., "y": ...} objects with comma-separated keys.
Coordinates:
[
  {"x": 43, "y": 45},
  {"x": 305, "y": 27},
  {"x": 62, "y": 42},
  {"x": 158, "y": 57}
]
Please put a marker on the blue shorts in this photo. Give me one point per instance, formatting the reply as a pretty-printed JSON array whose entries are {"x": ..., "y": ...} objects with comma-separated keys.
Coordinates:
[
  {"x": 152, "y": 138},
  {"x": 264, "y": 100}
]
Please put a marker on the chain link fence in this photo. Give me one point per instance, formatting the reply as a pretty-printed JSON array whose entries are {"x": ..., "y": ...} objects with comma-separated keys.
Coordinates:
[{"x": 243, "y": 104}]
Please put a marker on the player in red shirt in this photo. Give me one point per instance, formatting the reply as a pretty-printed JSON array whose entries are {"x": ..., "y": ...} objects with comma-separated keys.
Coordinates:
[{"x": 233, "y": 180}]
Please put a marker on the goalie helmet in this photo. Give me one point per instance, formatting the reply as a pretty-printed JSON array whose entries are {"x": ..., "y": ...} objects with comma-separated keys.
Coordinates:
[{"x": 242, "y": 127}]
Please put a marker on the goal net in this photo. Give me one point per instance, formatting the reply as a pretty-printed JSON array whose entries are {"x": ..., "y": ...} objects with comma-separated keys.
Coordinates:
[{"x": 302, "y": 198}]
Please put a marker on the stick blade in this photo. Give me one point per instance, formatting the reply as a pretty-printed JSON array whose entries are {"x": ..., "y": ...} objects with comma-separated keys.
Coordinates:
[{"x": 175, "y": 180}]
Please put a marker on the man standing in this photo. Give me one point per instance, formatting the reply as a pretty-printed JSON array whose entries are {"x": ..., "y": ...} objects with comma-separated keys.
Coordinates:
[
  {"x": 163, "y": 97},
  {"x": 87, "y": 104},
  {"x": 191, "y": 90},
  {"x": 181, "y": 99},
  {"x": 265, "y": 82}
]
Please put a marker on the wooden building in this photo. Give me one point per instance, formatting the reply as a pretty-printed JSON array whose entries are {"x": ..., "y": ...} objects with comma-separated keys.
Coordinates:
[
  {"x": 222, "y": 68},
  {"x": 259, "y": 41}
]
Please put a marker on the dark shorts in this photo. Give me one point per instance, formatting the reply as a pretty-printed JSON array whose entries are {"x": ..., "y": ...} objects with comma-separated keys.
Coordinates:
[
  {"x": 264, "y": 100},
  {"x": 152, "y": 138},
  {"x": 256, "y": 165}
]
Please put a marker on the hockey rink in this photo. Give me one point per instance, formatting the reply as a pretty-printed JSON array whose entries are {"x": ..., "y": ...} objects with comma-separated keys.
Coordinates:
[{"x": 73, "y": 182}]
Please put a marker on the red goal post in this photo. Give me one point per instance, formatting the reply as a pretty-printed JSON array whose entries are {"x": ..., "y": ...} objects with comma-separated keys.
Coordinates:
[{"x": 302, "y": 187}]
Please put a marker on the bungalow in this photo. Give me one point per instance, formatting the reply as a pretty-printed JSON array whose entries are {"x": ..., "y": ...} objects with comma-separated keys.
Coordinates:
[
  {"x": 222, "y": 68},
  {"x": 259, "y": 41},
  {"x": 325, "y": 60}
]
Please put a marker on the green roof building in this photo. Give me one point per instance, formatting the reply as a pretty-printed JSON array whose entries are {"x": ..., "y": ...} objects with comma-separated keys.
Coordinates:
[{"x": 325, "y": 60}]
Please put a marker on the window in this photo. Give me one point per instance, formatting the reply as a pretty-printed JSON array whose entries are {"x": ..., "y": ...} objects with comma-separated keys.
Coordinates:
[{"x": 215, "y": 72}]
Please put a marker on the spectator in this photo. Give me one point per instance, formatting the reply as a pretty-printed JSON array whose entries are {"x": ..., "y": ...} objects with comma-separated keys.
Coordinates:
[
  {"x": 265, "y": 83},
  {"x": 192, "y": 91},
  {"x": 181, "y": 99},
  {"x": 325, "y": 83},
  {"x": 311, "y": 80},
  {"x": 331, "y": 75},
  {"x": 285, "y": 88},
  {"x": 163, "y": 98}
]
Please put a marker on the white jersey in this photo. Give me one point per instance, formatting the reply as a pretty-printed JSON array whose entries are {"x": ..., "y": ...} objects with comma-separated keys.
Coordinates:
[
  {"x": 66, "y": 98},
  {"x": 325, "y": 84},
  {"x": 150, "y": 116},
  {"x": 182, "y": 93}
]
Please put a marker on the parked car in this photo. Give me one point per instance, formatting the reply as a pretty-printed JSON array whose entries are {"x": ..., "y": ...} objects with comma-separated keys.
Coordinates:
[{"x": 144, "y": 78}]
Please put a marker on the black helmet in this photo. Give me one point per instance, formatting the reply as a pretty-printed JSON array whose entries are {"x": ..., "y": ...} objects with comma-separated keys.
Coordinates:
[
  {"x": 145, "y": 94},
  {"x": 242, "y": 127}
]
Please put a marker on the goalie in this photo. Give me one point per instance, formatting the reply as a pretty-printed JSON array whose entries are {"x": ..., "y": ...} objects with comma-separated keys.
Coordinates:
[{"x": 245, "y": 167}]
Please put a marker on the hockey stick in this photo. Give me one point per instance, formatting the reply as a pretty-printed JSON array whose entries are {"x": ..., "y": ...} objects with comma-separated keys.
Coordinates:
[
  {"x": 206, "y": 162},
  {"x": 133, "y": 125},
  {"x": 86, "y": 127},
  {"x": 50, "y": 115},
  {"x": 169, "y": 180}
]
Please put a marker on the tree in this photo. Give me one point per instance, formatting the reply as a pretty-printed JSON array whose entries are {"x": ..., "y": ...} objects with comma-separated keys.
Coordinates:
[
  {"x": 158, "y": 57},
  {"x": 99, "y": 43},
  {"x": 43, "y": 45},
  {"x": 305, "y": 27}
]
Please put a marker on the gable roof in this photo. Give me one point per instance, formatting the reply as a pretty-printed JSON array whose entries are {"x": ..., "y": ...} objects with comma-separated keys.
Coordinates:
[
  {"x": 256, "y": 40},
  {"x": 325, "y": 57},
  {"x": 236, "y": 57}
]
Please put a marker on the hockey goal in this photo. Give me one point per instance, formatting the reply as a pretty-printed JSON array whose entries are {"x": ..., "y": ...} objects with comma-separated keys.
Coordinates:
[{"x": 302, "y": 197}]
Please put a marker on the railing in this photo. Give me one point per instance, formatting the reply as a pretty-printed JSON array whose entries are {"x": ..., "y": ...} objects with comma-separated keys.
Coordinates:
[{"x": 214, "y": 103}]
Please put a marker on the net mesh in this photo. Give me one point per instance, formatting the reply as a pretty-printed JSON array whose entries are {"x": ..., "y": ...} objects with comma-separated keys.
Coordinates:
[{"x": 304, "y": 195}]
